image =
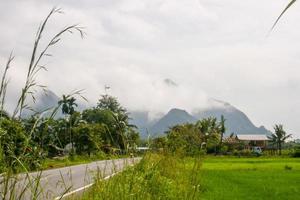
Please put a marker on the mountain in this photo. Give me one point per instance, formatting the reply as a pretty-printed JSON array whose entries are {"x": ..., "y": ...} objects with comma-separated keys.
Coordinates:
[
  {"x": 142, "y": 121},
  {"x": 47, "y": 100},
  {"x": 43, "y": 101},
  {"x": 236, "y": 121},
  {"x": 172, "y": 118},
  {"x": 156, "y": 127}
]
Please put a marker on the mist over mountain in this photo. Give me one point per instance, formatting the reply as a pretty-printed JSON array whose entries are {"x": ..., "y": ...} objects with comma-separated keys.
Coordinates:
[{"x": 236, "y": 121}]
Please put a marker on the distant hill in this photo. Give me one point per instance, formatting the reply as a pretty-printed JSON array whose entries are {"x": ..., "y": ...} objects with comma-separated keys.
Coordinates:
[
  {"x": 236, "y": 121},
  {"x": 47, "y": 100},
  {"x": 44, "y": 100},
  {"x": 172, "y": 118}
]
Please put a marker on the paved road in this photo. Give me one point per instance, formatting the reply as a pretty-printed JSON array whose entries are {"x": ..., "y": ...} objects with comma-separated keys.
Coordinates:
[{"x": 56, "y": 182}]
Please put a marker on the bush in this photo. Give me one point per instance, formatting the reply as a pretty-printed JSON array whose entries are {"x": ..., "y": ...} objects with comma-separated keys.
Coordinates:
[
  {"x": 87, "y": 138},
  {"x": 223, "y": 150},
  {"x": 184, "y": 140},
  {"x": 296, "y": 153}
]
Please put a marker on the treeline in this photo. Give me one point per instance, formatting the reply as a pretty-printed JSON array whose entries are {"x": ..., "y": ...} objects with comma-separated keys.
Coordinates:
[
  {"x": 206, "y": 136},
  {"x": 102, "y": 129},
  {"x": 25, "y": 143}
]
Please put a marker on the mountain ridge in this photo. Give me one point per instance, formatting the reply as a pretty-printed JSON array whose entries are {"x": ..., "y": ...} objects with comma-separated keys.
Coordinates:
[{"x": 237, "y": 122}]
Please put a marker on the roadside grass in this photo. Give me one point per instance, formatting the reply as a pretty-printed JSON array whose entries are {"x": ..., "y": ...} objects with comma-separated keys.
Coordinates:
[
  {"x": 155, "y": 177},
  {"x": 250, "y": 178},
  {"x": 168, "y": 177}
]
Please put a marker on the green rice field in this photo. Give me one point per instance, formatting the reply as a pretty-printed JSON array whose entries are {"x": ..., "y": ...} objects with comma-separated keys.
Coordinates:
[{"x": 169, "y": 177}]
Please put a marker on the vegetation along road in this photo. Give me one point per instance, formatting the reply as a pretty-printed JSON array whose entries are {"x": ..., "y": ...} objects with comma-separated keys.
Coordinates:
[{"x": 62, "y": 182}]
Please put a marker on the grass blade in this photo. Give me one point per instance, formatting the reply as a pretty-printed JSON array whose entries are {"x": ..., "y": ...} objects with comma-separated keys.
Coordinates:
[{"x": 282, "y": 13}]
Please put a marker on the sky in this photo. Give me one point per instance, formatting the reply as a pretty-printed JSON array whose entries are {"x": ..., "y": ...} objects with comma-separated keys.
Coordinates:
[{"x": 160, "y": 54}]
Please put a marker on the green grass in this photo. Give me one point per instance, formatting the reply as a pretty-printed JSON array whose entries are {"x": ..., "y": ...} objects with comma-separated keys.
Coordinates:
[
  {"x": 250, "y": 178},
  {"x": 167, "y": 177},
  {"x": 155, "y": 177}
]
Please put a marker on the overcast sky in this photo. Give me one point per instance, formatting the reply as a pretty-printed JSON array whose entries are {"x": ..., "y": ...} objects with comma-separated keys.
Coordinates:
[{"x": 160, "y": 54}]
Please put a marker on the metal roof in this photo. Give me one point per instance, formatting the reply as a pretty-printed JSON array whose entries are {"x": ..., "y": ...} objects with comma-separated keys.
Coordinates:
[{"x": 253, "y": 137}]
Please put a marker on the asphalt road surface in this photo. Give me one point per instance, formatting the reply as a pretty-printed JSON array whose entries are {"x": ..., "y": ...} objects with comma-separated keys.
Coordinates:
[{"x": 62, "y": 182}]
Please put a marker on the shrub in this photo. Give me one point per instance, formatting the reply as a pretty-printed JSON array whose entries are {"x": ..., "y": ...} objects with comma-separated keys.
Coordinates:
[
  {"x": 296, "y": 153},
  {"x": 87, "y": 138},
  {"x": 224, "y": 149}
]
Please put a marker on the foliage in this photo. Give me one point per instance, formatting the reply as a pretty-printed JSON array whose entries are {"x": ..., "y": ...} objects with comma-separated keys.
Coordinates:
[
  {"x": 159, "y": 143},
  {"x": 184, "y": 139},
  {"x": 16, "y": 146},
  {"x": 87, "y": 138},
  {"x": 210, "y": 130},
  {"x": 111, "y": 103},
  {"x": 13, "y": 141},
  {"x": 194, "y": 139},
  {"x": 279, "y": 137},
  {"x": 296, "y": 152},
  {"x": 38, "y": 53},
  {"x": 155, "y": 177},
  {"x": 68, "y": 105}
]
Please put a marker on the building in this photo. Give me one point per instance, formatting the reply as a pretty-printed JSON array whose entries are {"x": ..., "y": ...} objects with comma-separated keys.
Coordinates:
[{"x": 253, "y": 140}]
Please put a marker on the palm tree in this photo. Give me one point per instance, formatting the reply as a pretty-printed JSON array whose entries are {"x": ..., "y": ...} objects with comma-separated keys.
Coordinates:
[
  {"x": 222, "y": 129},
  {"x": 68, "y": 104},
  {"x": 121, "y": 125},
  {"x": 68, "y": 108},
  {"x": 279, "y": 137}
]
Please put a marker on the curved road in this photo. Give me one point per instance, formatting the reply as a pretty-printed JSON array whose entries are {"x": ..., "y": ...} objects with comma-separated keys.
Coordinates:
[{"x": 61, "y": 182}]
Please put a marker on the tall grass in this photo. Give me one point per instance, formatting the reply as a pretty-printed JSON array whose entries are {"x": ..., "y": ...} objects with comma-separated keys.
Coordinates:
[
  {"x": 34, "y": 66},
  {"x": 12, "y": 185},
  {"x": 157, "y": 176}
]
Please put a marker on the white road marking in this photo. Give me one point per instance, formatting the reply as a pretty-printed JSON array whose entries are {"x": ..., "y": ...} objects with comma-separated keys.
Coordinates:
[{"x": 82, "y": 188}]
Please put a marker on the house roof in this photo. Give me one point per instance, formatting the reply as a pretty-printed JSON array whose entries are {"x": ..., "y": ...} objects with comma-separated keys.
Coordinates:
[{"x": 253, "y": 137}]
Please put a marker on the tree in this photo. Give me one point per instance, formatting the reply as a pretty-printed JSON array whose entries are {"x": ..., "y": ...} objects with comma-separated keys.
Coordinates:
[
  {"x": 279, "y": 137},
  {"x": 209, "y": 130},
  {"x": 111, "y": 103},
  {"x": 68, "y": 108},
  {"x": 13, "y": 141},
  {"x": 122, "y": 126},
  {"x": 87, "y": 138},
  {"x": 68, "y": 105},
  {"x": 120, "y": 120},
  {"x": 222, "y": 129},
  {"x": 184, "y": 139}
]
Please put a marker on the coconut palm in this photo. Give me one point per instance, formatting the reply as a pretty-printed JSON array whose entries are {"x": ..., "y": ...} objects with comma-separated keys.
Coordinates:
[
  {"x": 279, "y": 137},
  {"x": 121, "y": 125}
]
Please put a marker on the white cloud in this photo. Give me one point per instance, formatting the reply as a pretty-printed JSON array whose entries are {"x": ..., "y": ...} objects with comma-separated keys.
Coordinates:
[{"x": 210, "y": 48}]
